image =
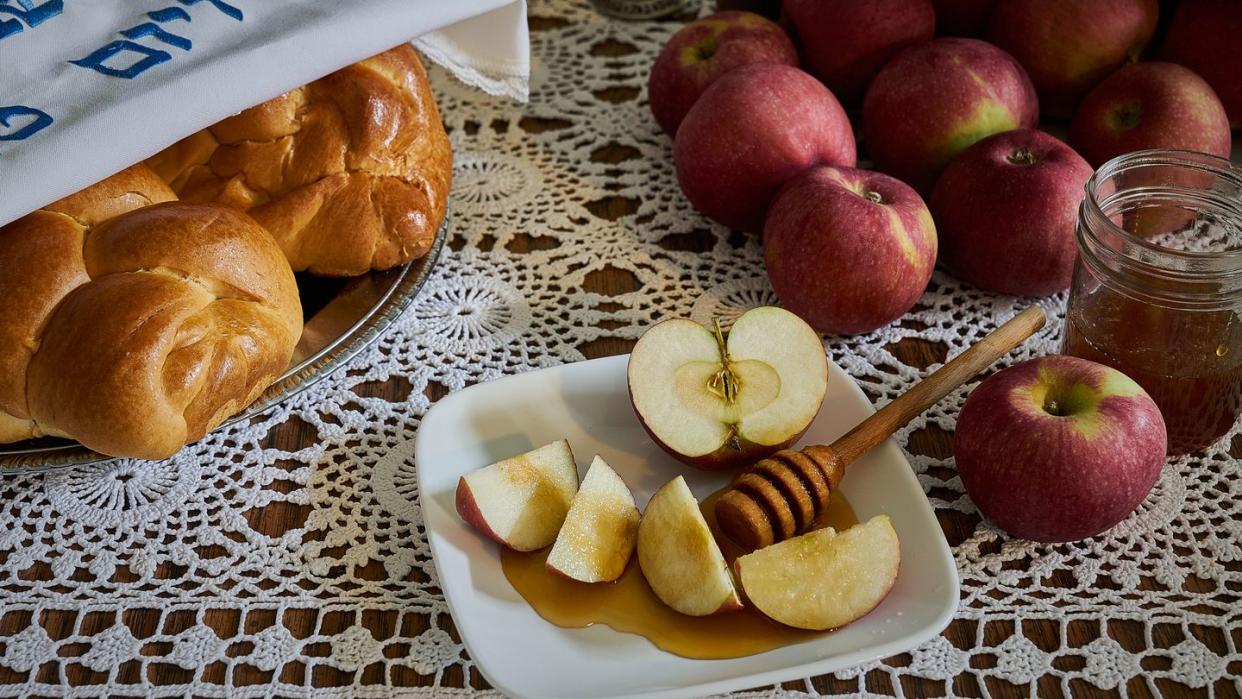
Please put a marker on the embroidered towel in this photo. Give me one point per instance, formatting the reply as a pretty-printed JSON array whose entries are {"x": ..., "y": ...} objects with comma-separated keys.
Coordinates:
[{"x": 88, "y": 88}]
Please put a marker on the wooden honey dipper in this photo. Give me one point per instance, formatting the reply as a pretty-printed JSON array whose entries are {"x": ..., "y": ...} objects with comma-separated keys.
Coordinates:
[{"x": 782, "y": 495}]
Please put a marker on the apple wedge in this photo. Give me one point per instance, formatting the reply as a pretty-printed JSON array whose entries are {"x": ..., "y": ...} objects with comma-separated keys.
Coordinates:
[
  {"x": 521, "y": 502},
  {"x": 824, "y": 579},
  {"x": 714, "y": 402},
  {"x": 678, "y": 556},
  {"x": 599, "y": 533}
]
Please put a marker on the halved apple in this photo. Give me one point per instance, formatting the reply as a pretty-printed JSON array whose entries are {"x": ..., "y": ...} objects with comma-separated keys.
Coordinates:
[
  {"x": 678, "y": 556},
  {"x": 521, "y": 502},
  {"x": 824, "y": 579},
  {"x": 599, "y": 533},
  {"x": 714, "y": 402}
]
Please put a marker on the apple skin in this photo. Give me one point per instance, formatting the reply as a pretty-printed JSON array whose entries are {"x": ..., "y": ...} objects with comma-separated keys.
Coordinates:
[
  {"x": 962, "y": 17},
  {"x": 706, "y": 49},
  {"x": 1068, "y": 46},
  {"x": 470, "y": 513},
  {"x": 1150, "y": 105},
  {"x": 750, "y": 132},
  {"x": 1204, "y": 37},
  {"x": 841, "y": 261},
  {"x": 1005, "y": 211},
  {"x": 936, "y": 99},
  {"x": 1051, "y": 478},
  {"x": 846, "y": 42}
]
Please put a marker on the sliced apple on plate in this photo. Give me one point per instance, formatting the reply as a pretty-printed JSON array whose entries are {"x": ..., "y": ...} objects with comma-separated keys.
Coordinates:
[
  {"x": 599, "y": 533},
  {"x": 678, "y": 556},
  {"x": 824, "y": 579},
  {"x": 718, "y": 402},
  {"x": 521, "y": 502}
]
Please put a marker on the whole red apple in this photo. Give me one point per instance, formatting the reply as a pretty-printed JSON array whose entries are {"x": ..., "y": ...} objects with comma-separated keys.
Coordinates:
[
  {"x": 962, "y": 17},
  {"x": 1005, "y": 211},
  {"x": 848, "y": 250},
  {"x": 1058, "y": 448},
  {"x": 1204, "y": 37},
  {"x": 1068, "y": 46},
  {"x": 752, "y": 130},
  {"x": 935, "y": 99},
  {"x": 846, "y": 42},
  {"x": 1150, "y": 105},
  {"x": 706, "y": 49}
]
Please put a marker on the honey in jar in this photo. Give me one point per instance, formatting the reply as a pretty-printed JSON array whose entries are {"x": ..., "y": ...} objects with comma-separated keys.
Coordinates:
[
  {"x": 628, "y": 605},
  {"x": 1158, "y": 287}
]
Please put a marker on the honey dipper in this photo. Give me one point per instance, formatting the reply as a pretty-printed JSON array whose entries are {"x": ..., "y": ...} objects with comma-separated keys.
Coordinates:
[{"x": 782, "y": 495}]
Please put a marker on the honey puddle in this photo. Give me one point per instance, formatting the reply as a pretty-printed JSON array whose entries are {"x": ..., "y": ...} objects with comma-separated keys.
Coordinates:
[{"x": 628, "y": 605}]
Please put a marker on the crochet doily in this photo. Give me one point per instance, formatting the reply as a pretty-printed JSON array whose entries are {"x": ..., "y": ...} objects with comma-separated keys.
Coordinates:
[{"x": 132, "y": 569}]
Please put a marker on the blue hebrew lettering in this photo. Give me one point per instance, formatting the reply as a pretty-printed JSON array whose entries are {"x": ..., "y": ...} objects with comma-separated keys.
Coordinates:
[
  {"x": 97, "y": 60},
  {"x": 168, "y": 14},
  {"x": 41, "y": 120},
  {"x": 219, "y": 5},
  {"x": 153, "y": 29},
  {"x": 27, "y": 11}
]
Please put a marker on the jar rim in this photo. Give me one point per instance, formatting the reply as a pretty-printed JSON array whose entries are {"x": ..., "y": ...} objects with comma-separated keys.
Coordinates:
[{"x": 1164, "y": 157}]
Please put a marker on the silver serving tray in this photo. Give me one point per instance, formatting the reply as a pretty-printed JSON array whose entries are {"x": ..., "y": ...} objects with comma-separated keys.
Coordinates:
[{"x": 343, "y": 316}]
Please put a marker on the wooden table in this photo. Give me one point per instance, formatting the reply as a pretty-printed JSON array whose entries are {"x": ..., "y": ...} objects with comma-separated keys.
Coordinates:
[{"x": 280, "y": 517}]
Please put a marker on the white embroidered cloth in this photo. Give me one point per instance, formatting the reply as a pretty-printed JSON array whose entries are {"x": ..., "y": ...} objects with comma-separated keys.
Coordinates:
[
  {"x": 135, "y": 570},
  {"x": 88, "y": 88}
]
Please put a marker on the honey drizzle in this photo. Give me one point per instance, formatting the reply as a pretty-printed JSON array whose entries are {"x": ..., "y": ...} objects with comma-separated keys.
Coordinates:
[{"x": 629, "y": 606}]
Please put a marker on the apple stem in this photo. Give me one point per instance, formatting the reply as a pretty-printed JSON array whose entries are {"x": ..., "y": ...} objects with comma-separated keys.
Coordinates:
[
  {"x": 723, "y": 382},
  {"x": 1022, "y": 157},
  {"x": 873, "y": 196}
]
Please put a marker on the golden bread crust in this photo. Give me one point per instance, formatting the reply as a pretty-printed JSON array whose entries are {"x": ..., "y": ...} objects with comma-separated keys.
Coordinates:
[
  {"x": 349, "y": 173},
  {"x": 135, "y": 326}
]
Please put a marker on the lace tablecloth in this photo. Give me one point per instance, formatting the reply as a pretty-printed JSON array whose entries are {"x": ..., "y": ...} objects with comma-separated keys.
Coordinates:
[{"x": 570, "y": 233}]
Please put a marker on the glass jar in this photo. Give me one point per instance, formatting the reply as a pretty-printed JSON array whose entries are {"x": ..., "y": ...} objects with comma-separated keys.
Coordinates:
[{"x": 1158, "y": 287}]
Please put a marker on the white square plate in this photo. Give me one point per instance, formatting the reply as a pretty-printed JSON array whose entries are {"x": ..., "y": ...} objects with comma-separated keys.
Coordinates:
[{"x": 587, "y": 403}]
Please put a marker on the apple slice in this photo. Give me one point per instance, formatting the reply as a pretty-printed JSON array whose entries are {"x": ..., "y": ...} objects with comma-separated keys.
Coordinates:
[
  {"x": 824, "y": 579},
  {"x": 717, "y": 403},
  {"x": 521, "y": 502},
  {"x": 599, "y": 532},
  {"x": 678, "y": 556}
]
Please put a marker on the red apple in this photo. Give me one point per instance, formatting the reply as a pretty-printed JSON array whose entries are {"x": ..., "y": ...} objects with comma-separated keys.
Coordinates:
[
  {"x": 716, "y": 401},
  {"x": 1005, "y": 211},
  {"x": 705, "y": 50},
  {"x": 934, "y": 100},
  {"x": 1204, "y": 37},
  {"x": 750, "y": 132},
  {"x": 962, "y": 17},
  {"x": 848, "y": 250},
  {"x": 1068, "y": 46},
  {"x": 1058, "y": 448},
  {"x": 1150, "y": 105},
  {"x": 846, "y": 42}
]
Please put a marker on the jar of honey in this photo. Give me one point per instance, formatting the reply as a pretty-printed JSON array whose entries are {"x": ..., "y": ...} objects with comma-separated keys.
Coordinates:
[{"x": 1157, "y": 292}]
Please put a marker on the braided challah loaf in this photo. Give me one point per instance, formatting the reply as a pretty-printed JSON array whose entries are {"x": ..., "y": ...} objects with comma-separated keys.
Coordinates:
[
  {"x": 349, "y": 173},
  {"x": 134, "y": 323}
]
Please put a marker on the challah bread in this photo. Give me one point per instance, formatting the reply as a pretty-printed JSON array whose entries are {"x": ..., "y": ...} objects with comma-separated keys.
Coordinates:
[
  {"x": 350, "y": 173},
  {"x": 133, "y": 328}
]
